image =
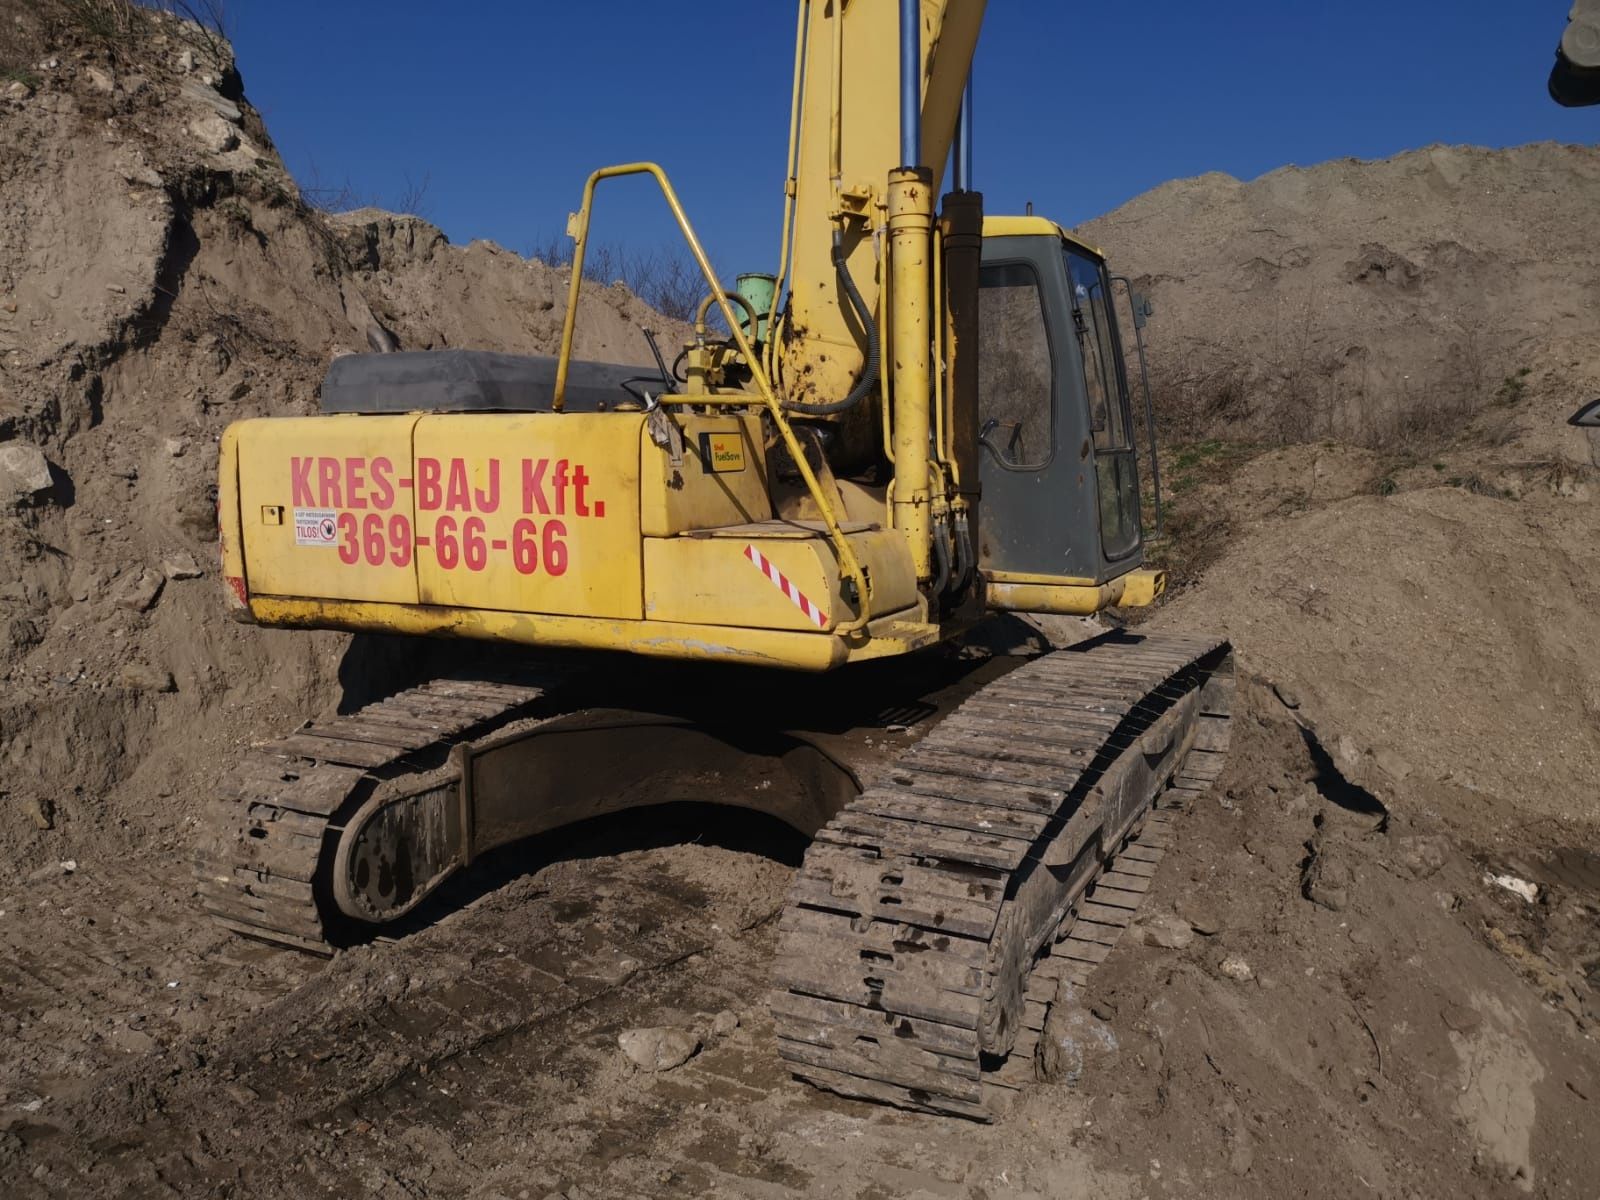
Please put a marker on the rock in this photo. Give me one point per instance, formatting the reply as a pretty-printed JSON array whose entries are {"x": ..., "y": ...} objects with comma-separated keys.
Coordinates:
[
  {"x": 1346, "y": 755},
  {"x": 142, "y": 677},
  {"x": 24, "y": 472},
  {"x": 40, "y": 810},
  {"x": 725, "y": 1023},
  {"x": 17, "y": 90},
  {"x": 1286, "y": 696},
  {"x": 186, "y": 62},
  {"x": 1391, "y": 764},
  {"x": 103, "y": 80},
  {"x": 175, "y": 446},
  {"x": 1242, "y": 1156},
  {"x": 69, "y": 866},
  {"x": 132, "y": 1041},
  {"x": 138, "y": 590},
  {"x": 658, "y": 1049},
  {"x": 1327, "y": 881},
  {"x": 1167, "y": 930},
  {"x": 1517, "y": 887},
  {"x": 214, "y": 134},
  {"x": 1202, "y": 919},
  {"x": 1071, "y": 1039},
  {"x": 181, "y": 566},
  {"x": 1463, "y": 1020},
  {"x": 1421, "y": 856},
  {"x": 147, "y": 176},
  {"x": 1334, "y": 899},
  {"x": 1236, "y": 968},
  {"x": 198, "y": 91}
]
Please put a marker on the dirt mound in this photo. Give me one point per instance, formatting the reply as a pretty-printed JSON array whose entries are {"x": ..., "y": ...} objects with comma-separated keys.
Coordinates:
[
  {"x": 1361, "y": 300},
  {"x": 1443, "y": 636},
  {"x": 160, "y": 276}
]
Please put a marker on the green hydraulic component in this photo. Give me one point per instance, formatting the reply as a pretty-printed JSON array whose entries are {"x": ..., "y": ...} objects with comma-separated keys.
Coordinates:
[{"x": 759, "y": 289}]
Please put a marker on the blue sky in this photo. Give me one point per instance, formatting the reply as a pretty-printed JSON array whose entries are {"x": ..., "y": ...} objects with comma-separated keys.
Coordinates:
[{"x": 504, "y": 107}]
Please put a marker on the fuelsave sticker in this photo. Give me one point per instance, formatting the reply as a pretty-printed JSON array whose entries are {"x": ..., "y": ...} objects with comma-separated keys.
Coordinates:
[
  {"x": 721, "y": 452},
  {"x": 363, "y": 507}
]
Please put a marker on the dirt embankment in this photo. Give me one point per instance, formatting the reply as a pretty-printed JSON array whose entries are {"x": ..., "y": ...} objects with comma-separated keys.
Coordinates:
[
  {"x": 160, "y": 276},
  {"x": 1363, "y": 372}
]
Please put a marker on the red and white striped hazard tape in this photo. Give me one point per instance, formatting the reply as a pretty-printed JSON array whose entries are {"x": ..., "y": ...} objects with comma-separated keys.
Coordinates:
[{"x": 781, "y": 581}]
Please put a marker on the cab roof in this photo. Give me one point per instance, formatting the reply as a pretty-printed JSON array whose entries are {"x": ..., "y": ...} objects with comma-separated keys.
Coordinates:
[{"x": 1035, "y": 227}]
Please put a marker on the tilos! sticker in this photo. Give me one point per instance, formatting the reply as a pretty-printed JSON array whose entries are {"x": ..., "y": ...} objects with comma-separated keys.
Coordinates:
[{"x": 316, "y": 527}]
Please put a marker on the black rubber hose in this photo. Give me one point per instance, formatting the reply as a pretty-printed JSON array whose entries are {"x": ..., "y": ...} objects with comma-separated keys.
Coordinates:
[
  {"x": 941, "y": 551},
  {"x": 963, "y": 535},
  {"x": 869, "y": 373}
]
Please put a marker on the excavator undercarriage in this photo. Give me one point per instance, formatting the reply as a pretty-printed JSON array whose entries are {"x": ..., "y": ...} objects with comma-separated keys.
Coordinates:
[{"x": 951, "y": 894}]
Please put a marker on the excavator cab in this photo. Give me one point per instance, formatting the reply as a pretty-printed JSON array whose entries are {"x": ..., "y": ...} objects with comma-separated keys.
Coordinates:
[{"x": 1060, "y": 527}]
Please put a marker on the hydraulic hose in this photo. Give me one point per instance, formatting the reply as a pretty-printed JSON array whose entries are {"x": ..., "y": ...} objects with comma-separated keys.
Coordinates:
[
  {"x": 964, "y": 563},
  {"x": 941, "y": 552},
  {"x": 869, "y": 372}
]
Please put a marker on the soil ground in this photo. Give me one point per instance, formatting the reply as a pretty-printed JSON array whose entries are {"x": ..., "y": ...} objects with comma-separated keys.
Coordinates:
[{"x": 1399, "y": 1033}]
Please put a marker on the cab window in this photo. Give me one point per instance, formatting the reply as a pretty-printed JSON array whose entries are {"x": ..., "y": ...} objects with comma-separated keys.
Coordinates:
[
  {"x": 1093, "y": 326},
  {"x": 1015, "y": 377}
]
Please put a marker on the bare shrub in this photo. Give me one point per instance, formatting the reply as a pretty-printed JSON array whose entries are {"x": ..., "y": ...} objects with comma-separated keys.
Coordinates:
[
  {"x": 413, "y": 198},
  {"x": 667, "y": 279},
  {"x": 342, "y": 197}
]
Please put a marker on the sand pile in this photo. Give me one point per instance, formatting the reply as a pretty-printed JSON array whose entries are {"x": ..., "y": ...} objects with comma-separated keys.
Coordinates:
[
  {"x": 161, "y": 276},
  {"x": 1362, "y": 300}
]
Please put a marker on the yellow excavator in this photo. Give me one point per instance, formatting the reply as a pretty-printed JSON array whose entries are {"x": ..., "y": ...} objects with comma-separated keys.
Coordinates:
[{"x": 922, "y": 420}]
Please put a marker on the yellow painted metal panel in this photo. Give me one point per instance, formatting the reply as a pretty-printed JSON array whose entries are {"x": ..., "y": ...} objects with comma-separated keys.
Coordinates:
[
  {"x": 529, "y": 512},
  {"x": 686, "y": 496},
  {"x": 823, "y": 352},
  {"x": 324, "y": 509},
  {"x": 1142, "y": 588},
  {"x": 1012, "y": 591},
  {"x": 895, "y": 633},
  {"x": 230, "y": 531},
  {"x": 1064, "y": 599},
  {"x": 1002, "y": 226},
  {"x": 769, "y": 582},
  {"x": 1025, "y": 577}
]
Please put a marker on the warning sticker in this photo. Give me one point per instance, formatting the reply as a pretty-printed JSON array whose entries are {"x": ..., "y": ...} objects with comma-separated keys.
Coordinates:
[{"x": 315, "y": 527}]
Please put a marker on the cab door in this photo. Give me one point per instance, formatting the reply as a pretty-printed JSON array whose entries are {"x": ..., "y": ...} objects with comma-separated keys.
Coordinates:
[{"x": 1059, "y": 473}]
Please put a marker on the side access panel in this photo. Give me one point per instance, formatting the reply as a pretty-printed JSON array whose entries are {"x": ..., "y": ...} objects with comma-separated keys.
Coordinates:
[
  {"x": 531, "y": 513},
  {"x": 325, "y": 507},
  {"x": 771, "y": 575}
]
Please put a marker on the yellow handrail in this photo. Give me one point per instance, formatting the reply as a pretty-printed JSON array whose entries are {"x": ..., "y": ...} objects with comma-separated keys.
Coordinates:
[
  {"x": 578, "y": 230},
  {"x": 790, "y": 184}
]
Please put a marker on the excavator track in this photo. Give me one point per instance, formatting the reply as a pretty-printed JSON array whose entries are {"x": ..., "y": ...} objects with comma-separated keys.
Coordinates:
[
  {"x": 264, "y": 869},
  {"x": 940, "y": 915}
]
